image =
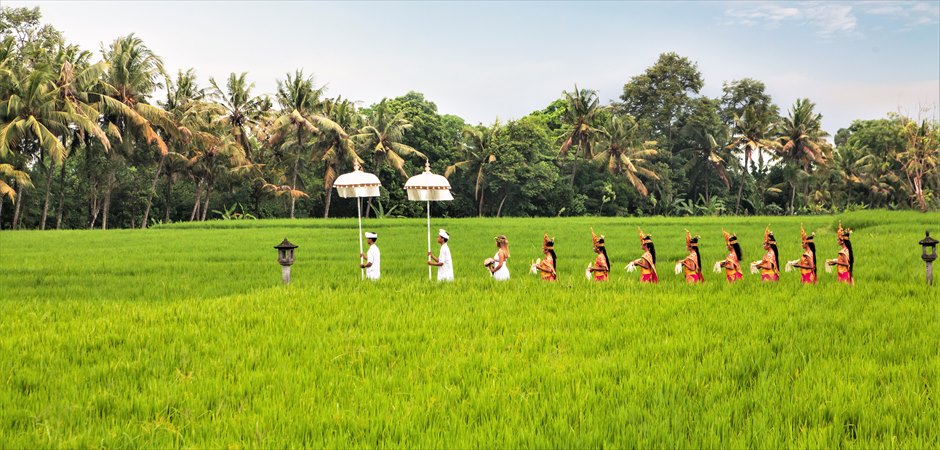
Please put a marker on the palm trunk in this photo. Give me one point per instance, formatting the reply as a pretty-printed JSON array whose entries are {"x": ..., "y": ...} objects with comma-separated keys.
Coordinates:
[
  {"x": 205, "y": 208},
  {"x": 45, "y": 202},
  {"x": 329, "y": 198},
  {"x": 94, "y": 206},
  {"x": 792, "y": 196},
  {"x": 19, "y": 203},
  {"x": 196, "y": 203},
  {"x": 499, "y": 211},
  {"x": 58, "y": 212},
  {"x": 744, "y": 174},
  {"x": 480, "y": 207},
  {"x": 106, "y": 208},
  {"x": 919, "y": 191},
  {"x": 153, "y": 190},
  {"x": 168, "y": 199},
  {"x": 368, "y": 207},
  {"x": 293, "y": 185}
]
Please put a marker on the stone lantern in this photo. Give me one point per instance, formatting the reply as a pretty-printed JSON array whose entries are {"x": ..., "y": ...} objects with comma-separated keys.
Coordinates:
[
  {"x": 285, "y": 257},
  {"x": 929, "y": 254}
]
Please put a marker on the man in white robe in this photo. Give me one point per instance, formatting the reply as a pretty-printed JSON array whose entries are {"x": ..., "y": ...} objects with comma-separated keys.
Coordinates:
[
  {"x": 444, "y": 263},
  {"x": 373, "y": 264}
]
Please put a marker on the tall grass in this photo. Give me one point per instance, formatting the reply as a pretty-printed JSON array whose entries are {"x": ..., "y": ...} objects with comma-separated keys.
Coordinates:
[{"x": 182, "y": 336}]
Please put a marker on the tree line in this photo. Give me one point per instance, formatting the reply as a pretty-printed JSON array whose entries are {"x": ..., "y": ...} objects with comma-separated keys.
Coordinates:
[{"x": 85, "y": 142}]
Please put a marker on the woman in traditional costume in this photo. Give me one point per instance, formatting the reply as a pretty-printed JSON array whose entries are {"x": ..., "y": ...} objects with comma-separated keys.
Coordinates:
[
  {"x": 807, "y": 262},
  {"x": 769, "y": 266},
  {"x": 845, "y": 262},
  {"x": 647, "y": 262},
  {"x": 498, "y": 264},
  {"x": 601, "y": 267},
  {"x": 732, "y": 262},
  {"x": 692, "y": 265},
  {"x": 547, "y": 266}
]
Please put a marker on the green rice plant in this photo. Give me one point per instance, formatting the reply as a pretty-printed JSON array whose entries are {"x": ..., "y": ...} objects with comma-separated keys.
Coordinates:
[{"x": 183, "y": 336}]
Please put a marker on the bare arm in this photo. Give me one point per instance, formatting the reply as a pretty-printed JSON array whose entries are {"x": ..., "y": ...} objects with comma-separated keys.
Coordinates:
[{"x": 500, "y": 263}]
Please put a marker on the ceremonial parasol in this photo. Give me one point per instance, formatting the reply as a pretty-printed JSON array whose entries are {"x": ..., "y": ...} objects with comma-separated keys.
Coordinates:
[
  {"x": 425, "y": 187},
  {"x": 358, "y": 184}
]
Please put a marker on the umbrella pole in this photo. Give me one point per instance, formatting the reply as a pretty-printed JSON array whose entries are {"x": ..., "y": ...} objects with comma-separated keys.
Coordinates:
[
  {"x": 429, "y": 239},
  {"x": 362, "y": 272}
]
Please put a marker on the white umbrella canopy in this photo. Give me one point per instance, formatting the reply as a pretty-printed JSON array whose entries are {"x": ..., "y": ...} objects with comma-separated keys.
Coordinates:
[
  {"x": 427, "y": 187},
  {"x": 358, "y": 184}
]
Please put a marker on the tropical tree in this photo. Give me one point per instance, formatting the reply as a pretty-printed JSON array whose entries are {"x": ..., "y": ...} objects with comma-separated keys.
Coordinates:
[
  {"x": 336, "y": 147},
  {"x": 752, "y": 134},
  {"x": 382, "y": 136},
  {"x": 802, "y": 143},
  {"x": 134, "y": 73},
  {"x": 192, "y": 117},
  {"x": 36, "y": 123},
  {"x": 582, "y": 108},
  {"x": 243, "y": 110},
  {"x": 76, "y": 83},
  {"x": 479, "y": 146},
  {"x": 624, "y": 152},
  {"x": 920, "y": 156},
  {"x": 299, "y": 122},
  {"x": 215, "y": 154},
  {"x": 19, "y": 177}
]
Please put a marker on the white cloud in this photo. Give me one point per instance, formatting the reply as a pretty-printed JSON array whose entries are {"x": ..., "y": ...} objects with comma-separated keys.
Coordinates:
[
  {"x": 910, "y": 13},
  {"x": 829, "y": 19}
]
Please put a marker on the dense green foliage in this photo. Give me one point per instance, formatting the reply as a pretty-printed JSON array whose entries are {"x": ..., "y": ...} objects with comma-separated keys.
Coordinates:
[
  {"x": 182, "y": 336},
  {"x": 88, "y": 144}
]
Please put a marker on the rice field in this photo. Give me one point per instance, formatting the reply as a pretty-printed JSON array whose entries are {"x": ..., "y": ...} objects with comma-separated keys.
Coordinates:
[{"x": 183, "y": 336}]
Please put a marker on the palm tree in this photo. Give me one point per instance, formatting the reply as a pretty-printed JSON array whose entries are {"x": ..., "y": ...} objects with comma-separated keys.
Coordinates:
[
  {"x": 335, "y": 147},
  {"x": 36, "y": 122},
  {"x": 802, "y": 142},
  {"x": 625, "y": 153},
  {"x": 214, "y": 154},
  {"x": 383, "y": 134},
  {"x": 751, "y": 135},
  {"x": 242, "y": 109},
  {"x": 77, "y": 79},
  {"x": 581, "y": 108},
  {"x": 190, "y": 115},
  {"x": 920, "y": 156},
  {"x": 479, "y": 147},
  {"x": 19, "y": 177},
  {"x": 134, "y": 73},
  {"x": 300, "y": 119},
  {"x": 705, "y": 156}
]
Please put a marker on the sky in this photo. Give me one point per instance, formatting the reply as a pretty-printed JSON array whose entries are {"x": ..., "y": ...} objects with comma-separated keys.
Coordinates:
[{"x": 487, "y": 60}]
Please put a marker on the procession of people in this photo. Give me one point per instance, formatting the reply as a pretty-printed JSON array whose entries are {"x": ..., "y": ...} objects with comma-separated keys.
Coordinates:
[{"x": 690, "y": 267}]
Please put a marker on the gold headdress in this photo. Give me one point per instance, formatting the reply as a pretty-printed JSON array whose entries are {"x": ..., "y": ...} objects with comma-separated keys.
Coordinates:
[
  {"x": 597, "y": 238},
  {"x": 769, "y": 236},
  {"x": 690, "y": 241},
  {"x": 806, "y": 238},
  {"x": 548, "y": 243},
  {"x": 729, "y": 238},
  {"x": 843, "y": 233},
  {"x": 644, "y": 238}
]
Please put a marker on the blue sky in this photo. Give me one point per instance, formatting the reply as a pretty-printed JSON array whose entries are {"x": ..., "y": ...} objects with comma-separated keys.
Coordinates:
[{"x": 483, "y": 60}]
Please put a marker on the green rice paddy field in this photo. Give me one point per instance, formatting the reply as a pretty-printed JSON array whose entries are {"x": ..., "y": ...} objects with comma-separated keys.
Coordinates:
[{"x": 182, "y": 336}]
